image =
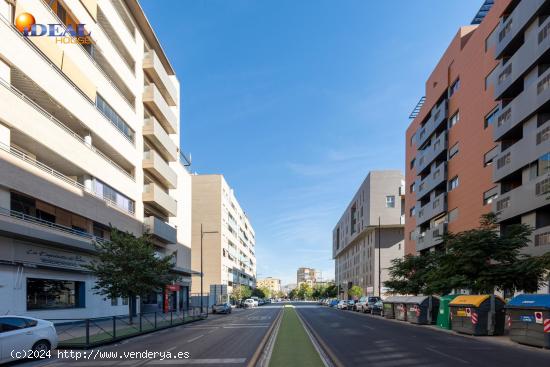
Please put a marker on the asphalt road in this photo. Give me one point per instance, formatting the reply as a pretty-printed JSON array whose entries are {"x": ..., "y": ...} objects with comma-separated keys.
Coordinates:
[
  {"x": 364, "y": 340},
  {"x": 220, "y": 340}
]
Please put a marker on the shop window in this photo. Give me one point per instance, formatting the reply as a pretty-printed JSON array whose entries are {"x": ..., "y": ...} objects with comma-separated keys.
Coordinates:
[{"x": 44, "y": 294}]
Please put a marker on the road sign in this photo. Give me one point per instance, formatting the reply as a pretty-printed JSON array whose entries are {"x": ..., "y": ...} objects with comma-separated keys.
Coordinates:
[
  {"x": 474, "y": 318},
  {"x": 547, "y": 326},
  {"x": 538, "y": 317}
]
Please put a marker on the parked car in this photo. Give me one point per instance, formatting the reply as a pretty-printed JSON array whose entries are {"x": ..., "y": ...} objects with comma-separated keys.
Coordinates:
[
  {"x": 221, "y": 308},
  {"x": 342, "y": 305},
  {"x": 333, "y": 303},
  {"x": 370, "y": 303},
  {"x": 361, "y": 304},
  {"x": 250, "y": 303},
  {"x": 351, "y": 305},
  {"x": 22, "y": 334},
  {"x": 377, "y": 308}
]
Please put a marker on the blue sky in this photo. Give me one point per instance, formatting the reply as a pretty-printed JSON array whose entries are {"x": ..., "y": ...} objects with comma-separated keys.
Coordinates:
[{"x": 295, "y": 101}]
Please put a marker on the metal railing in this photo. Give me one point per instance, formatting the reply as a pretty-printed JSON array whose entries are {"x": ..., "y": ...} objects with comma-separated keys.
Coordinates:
[
  {"x": 25, "y": 157},
  {"x": 52, "y": 118},
  {"x": 91, "y": 332},
  {"x": 44, "y": 223}
]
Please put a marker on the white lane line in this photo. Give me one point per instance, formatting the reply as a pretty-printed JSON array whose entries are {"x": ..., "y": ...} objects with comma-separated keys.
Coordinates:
[
  {"x": 200, "y": 361},
  {"x": 195, "y": 338},
  {"x": 244, "y": 327},
  {"x": 447, "y": 355}
]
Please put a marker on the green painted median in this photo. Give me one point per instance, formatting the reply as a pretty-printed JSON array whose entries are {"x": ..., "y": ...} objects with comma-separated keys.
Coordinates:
[{"x": 293, "y": 346}]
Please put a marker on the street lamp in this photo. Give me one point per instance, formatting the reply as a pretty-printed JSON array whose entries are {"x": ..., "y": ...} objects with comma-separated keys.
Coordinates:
[
  {"x": 379, "y": 260},
  {"x": 202, "y": 272}
]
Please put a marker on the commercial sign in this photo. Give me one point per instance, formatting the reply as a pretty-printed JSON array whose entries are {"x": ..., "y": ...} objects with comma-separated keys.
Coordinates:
[
  {"x": 38, "y": 255},
  {"x": 26, "y": 24}
]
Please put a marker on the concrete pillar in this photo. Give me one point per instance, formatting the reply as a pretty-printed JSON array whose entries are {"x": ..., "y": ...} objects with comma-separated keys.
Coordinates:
[
  {"x": 88, "y": 182},
  {"x": 88, "y": 139},
  {"x": 4, "y": 199}
]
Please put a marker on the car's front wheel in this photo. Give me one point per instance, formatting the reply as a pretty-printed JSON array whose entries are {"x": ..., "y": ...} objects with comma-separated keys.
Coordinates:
[{"x": 41, "y": 346}]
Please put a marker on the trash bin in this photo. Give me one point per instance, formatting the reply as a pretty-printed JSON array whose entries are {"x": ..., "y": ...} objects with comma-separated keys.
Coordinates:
[
  {"x": 475, "y": 314},
  {"x": 528, "y": 318},
  {"x": 444, "y": 316},
  {"x": 422, "y": 309},
  {"x": 393, "y": 306}
]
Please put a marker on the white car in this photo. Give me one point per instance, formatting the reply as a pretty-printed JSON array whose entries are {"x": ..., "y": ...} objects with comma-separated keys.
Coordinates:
[
  {"x": 250, "y": 303},
  {"x": 342, "y": 305},
  {"x": 21, "y": 335}
]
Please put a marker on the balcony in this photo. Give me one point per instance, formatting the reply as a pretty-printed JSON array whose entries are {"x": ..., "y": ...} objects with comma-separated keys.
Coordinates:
[
  {"x": 20, "y": 225},
  {"x": 540, "y": 242},
  {"x": 431, "y": 237},
  {"x": 523, "y": 106},
  {"x": 535, "y": 143},
  {"x": 536, "y": 45},
  {"x": 438, "y": 116},
  {"x": 160, "y": 140},
  {"x": 510, "y": 29},
  {"x": 154, "y": 196},
  {"x": 155, "y": 70},
  {"x": 425, "y": 157},
  {"x": 436, "y": 206},
  {"x": 160, "y": 229},
  {"x": 153, "y": 99},
  {"x": 158, "y": 168},
  {"x": 525, "y": 198},
  {"x": 430, "y": 182}
]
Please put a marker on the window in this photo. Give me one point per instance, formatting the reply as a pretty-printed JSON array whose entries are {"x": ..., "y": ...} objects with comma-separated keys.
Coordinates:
[
  {"x": 412, "y": 211},
  {"x": 489, "y": 156},
  {"x": 453, "y": 214},
  {"x": 490, "y": 118},
  {"x": 13, "y": 323},
  {"x": 454, "y": 87},
  {"x": 412, "y": 188},
  {"x": 115, "y": 118},
  {"x": 454, "y": 119},
  {"x": 412, "y": 163},
  {"x": 125, "y": 301},
  {"x": 114, "y": 196},
  {"x": 490, "y": 195},
  {"x": 453, "y": 151},
  {"x": 114, "y": 301},
  {"x": 453, "y": 183},
  {"x": 544, "y": 164},
  {"x": 390, "y": 201},
  {"x": 533, "y": 171},
  {"x": 44, "y": 294}
]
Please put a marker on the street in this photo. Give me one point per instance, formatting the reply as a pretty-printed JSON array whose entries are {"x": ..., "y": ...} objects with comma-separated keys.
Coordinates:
[
  {"x": 364, "y": 340},
  {"x": 217, "y": 341}
]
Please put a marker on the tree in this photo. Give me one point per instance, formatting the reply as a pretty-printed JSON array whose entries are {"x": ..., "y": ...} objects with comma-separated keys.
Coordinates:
[
  {"x": 318, "y": 291},
  {"x": 127, "y": 266},
  {"x": 267, "y": 292},
  {"x": 293, "y": 293},
  {"x": 355, "y": 292},
  {"x": 331, "y": 291},
  {"x": 484, "y": 259},
  {"x": 305, "y": 291},
  {"x": 258, "y": 292},
  {"x": 240, "y": 292},
  {"x": 410, "y": 274}
]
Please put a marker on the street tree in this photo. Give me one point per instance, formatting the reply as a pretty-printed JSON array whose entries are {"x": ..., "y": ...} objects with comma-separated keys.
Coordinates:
[
  {"x": 258, "y": 292},
  {"x": 240, "y": 292},
  {"x": 128, "y": 266},
  {"x": 410, "y": 274},
  {"x": 331, "y": 291},
  {"x": 355, "y": 292},
  {"x": 267, "y": 292},
  {"x": 305, "y": 291}
]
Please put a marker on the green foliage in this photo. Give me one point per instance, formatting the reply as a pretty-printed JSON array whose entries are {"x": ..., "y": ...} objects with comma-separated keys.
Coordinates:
[
  {"x": 355, "y": 291},
  {"x": 258, "y": 292},
  {"x": 293, "y": 294},
  {"x": 241, "y": 292},
  {"x": 305, "y": 291},
  {"x": 266, "y": 292},
  {"x": 127, "y": 266},
  {"x": 480, "y": 260},
  {"x": 331, "y": 291}
]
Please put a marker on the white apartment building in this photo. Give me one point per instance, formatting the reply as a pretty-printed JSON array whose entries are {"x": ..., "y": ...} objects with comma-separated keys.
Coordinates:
[
  {"x": 307, "y": 275},
  {"x": 89, "y": 137},
  {"x": 228, "y": 252},
  {"x": 370, "y": 233}
]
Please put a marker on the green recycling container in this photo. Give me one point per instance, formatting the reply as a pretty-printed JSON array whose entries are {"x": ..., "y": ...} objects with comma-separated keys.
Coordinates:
[{"x": 444, "y": 316}]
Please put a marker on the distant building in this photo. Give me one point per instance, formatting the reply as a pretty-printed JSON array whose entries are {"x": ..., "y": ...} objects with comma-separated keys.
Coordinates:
[
  {"x": 287, "y": 288},
  {"x": 307, "y": 275},
  {"x": 273, "y": 284},
  {"x": 372, "y": 222}
]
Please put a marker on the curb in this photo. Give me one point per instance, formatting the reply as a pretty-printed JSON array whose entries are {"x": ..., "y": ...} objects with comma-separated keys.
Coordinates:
[
  {"x": 326, "y": 354},
  {"x": 256, "y": 356}
]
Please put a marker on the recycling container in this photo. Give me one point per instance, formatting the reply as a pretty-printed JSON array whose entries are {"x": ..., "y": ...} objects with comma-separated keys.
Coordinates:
[
  {"x": 422, "y": 309},
  {"x": 475, "y": 315},
  {"x": 528, "y": 317},
  {"x": 393, "y": 307},
  {"x": 444, "y": 316}
]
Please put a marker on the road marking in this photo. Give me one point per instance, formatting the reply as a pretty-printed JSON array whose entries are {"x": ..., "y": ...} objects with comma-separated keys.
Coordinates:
[
  {"x": 447, "y": 355},
  {"x": 195, "y": 338},
  {"x": 200, "y": 361},
  {"x": 244, "y": 327}
]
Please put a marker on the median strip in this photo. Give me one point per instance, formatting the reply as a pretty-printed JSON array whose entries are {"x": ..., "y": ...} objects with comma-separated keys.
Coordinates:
[{"x": 293, "y": 346}]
